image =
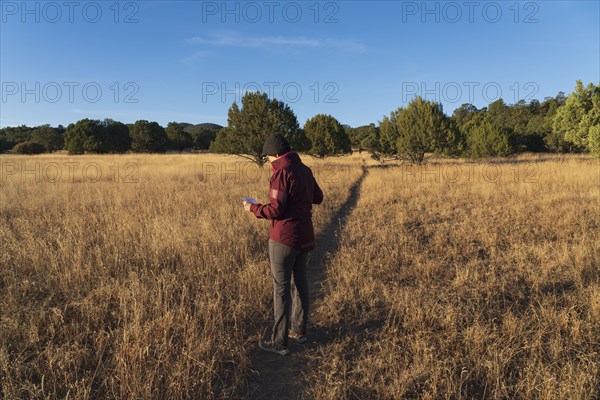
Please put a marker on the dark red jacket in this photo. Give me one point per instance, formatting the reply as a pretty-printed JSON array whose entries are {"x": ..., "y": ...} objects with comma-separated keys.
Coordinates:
[{"x": 293, "y": 191}]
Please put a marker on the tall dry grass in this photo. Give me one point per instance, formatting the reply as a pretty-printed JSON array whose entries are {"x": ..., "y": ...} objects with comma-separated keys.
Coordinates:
[
  {"x": 455, "y": 280},
  {"x": 487, "y": 286},
  {"x": 136, "y": 276}
]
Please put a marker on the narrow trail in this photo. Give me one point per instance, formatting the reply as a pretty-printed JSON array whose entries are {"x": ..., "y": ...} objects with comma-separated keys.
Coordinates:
[{"x": 277, "y": 377}]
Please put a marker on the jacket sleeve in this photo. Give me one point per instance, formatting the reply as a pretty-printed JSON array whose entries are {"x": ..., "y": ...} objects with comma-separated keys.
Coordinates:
[
  {"x": 317, "y": 193},
  {"x": 278, "y": 199}
]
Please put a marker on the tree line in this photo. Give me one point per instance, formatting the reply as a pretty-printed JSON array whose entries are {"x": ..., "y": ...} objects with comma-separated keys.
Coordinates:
[
  {"x": 108, "y": 136},
  {"x": 558, "y": 124}
]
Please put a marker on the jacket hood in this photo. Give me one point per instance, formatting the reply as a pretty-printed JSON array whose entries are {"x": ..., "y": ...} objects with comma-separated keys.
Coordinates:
[{"x": 291, "y": 157}]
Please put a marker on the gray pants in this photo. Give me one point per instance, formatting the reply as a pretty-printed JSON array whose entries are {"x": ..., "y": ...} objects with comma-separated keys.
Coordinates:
[{"x": 290, "y": 290}]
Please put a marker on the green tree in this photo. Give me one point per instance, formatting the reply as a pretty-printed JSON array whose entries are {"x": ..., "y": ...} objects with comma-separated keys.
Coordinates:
[
  {"x": 521, "y": 121},
  {"x": 147, "y": 137},
  {"x": 486, "y": 139},
  {"x": 498, "y": 113},
  {"x": 537, "y": 132},
  {"x": 359, "y": 134},
  {"x": 519, "y": 115},
  {"x": 202, "y": 137},
  {"x": 370, "y": 141},
  {"x": 464, "y": 114},
  {"x": 29, "y": 147},
  {"x": 327, "y": 136},
  {"x": 372, "y": 144},
  {"x": 553, "y": 140},
  {"x": 225, "y": 142},
  {"x": 556, "y": 142},
  {"x": 594, "y": 140},
  {"x": 115, "y": 137},
  {"x": 51, "y": 138},
  {"x": 580, "y": 113},
  {"x": 83, "y": 136},
  {"x": 300, "y": 142},
  {"x": 388, "y": 136},
  {"x": 178, "y": 138},
  {"x": 534, "y": 134},
  {"x": 17, "y": 134},
  {"x": 249, "y": 126},
  {"x": 419, "y": 128},
  {"x": 97, "y": 136},
  {"x": 591, "y": 119}
]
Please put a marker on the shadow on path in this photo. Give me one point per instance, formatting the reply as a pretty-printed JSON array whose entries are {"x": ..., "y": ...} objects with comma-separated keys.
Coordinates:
[
  {"x": 327, "y": 243},
  {"x": 276, "y": 377}
]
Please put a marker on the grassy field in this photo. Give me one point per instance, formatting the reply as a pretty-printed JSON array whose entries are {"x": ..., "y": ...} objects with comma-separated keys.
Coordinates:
[
  {"x": 487, "y": 286},
  {"x": 140, "y": 276}
]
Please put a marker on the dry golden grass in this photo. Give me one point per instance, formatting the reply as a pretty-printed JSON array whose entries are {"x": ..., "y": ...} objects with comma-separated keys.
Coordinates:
[
  {"x": 469, "y": 288},
  {"x": 158, "y": 287},
  {"x": 150, "y": 284}
]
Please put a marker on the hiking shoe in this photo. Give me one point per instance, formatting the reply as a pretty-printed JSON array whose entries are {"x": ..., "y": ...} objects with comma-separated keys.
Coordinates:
[
  {"x": 268, "y": 345},
  {"x": 298, "y": 337}
]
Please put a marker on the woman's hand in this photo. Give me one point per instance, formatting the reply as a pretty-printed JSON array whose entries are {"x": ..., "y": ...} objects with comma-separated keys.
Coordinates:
[{"x": 246, "y": 205}]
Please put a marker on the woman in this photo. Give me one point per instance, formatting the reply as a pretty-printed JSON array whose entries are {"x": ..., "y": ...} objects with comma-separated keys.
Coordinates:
[{"x": 293, "y": 191}]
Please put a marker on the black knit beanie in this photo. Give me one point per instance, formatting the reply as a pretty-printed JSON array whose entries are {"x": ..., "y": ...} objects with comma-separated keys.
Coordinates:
[{"x": 275, "y": 144}]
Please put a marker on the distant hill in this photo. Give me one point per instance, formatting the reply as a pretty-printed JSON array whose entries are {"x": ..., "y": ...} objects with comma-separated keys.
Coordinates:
[{"x": 189, "y": 128}]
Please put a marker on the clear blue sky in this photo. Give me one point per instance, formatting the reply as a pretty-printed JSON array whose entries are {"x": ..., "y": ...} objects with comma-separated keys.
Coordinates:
[{"x": 187, "y": 61}]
